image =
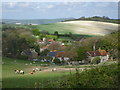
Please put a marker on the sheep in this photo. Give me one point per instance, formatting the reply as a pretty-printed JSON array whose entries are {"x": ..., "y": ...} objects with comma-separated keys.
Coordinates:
[
  {"x": 21, "y": 72},
  {"x": 40, "y": 69},
  {"x": 26, "y": 64},
  {"x": 33, "y": 70},
  {"x": 37, "y": 69},
  {"x": 54, "y": 69},
  {"x": 17, "y": 71}
]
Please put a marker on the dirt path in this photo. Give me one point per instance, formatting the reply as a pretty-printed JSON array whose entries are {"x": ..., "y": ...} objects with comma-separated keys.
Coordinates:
[{"x": 63, "y": 69}]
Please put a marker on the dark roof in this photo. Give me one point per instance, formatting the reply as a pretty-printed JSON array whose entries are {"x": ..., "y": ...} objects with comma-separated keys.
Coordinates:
[{"x": 54, "y": 54}]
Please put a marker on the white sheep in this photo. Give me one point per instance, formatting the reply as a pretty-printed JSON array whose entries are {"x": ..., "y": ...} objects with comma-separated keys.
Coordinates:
[
  {"x": 37, "y": 69},
  {"x": 17, "y": 71},
  {"x": 26, "y": 64},
  {"x": 54, "y": 69},
  {"x": 21, "y": 72},
  {"x": 33, "y": 70}
]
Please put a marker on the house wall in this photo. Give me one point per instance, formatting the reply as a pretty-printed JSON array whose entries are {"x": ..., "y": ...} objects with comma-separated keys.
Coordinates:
[
  {"x": 74, "y": 62},
  {"x": 104, "y": 58},
  {"x": 65, "y": 58},
  {"x": 90, "y": 58}
]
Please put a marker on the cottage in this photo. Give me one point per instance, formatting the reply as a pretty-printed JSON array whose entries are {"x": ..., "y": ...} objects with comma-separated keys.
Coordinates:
[
  {"x": 40, "y": 41},
  {"x": 104, "y": 56},
  {"x": 18, "y": 23},
  {"x": 30, "y": 53},
  {"x": 43, "y": 48},
  {"x": 32, "y": 24},
  {"x": 59, "y": 55},
  {"x": 50, "y": 41}
]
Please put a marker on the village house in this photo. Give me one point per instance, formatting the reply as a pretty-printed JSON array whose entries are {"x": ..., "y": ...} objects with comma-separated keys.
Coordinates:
[
  {"x": 43, "y": 48},
  {"x": 102, "y": 54},
  {"x": 59, "y": 55},
  {"x": 40, "y": 42},
  {"x": 50, "y": 41},
  {"x": 18, "y": 23},
  {"x": 32, "y": 24},
  {"x": 31, "y": 53}
]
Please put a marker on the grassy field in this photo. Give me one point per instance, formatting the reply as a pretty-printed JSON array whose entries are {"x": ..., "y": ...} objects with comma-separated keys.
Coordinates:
[
  {"x": 80, "y": 27},
  {"x": 12, "y": 80},
  {"x": 76, "y": 27},
  {"x": 39, "y": 78}
]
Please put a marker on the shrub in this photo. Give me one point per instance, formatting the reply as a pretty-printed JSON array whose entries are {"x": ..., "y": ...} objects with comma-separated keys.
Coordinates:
[
  {"x": 57, "y": 61},
  {"x": 96, "y": 60},
  {"x": 99, "y": 77}
]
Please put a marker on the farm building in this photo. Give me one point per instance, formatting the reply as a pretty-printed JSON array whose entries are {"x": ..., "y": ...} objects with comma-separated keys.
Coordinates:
[
  {"x": 59, "y": 55},
  {"x": 30, "y": 53},
  {"x": 102, "y": 54},
  {"x": 18, "y": 23}
]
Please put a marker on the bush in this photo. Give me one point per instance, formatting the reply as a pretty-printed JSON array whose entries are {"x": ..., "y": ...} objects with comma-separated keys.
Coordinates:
[
  {"x": 99, "y": 77},
  {"x": 96, "y": 60},
  {"x": 57, "y": 61}
]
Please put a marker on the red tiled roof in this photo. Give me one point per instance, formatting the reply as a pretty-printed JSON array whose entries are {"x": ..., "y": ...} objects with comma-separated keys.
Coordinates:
[
  {"x": 50, "y": 40},
  {"x": 103, "y": 52},
  {"x": 40, "y": 41},
  {"x": 60, "y": 54},
  {"x": 45, "y": 47},
  {"x": 97, "y": 53}
]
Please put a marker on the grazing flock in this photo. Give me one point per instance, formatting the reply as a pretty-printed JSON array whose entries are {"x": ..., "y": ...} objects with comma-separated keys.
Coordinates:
[
  {"x": 19, "y": 71},
  {"x": 33, "y": 71}
]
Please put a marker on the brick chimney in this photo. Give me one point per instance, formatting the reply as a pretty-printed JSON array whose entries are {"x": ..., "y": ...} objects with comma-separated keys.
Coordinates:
[{"x": 99, "y": 49}]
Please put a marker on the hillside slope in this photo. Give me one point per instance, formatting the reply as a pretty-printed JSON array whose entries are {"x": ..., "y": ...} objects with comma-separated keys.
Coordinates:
[{"x": 81, "y": 27}]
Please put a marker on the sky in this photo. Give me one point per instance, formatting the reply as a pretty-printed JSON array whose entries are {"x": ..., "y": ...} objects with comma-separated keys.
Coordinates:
[{"x": 53, "y": 10}]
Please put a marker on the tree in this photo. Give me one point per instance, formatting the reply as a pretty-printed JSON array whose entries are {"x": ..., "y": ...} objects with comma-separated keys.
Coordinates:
[
  {"x": 36, "y": 32},
  {"x": 16, "y": 41},
  {"x": 70, "y": 34},
  {"x": 56, "y": 61},
  {"x": 56, "y": 33},
  {"x": 81, "y": 53},
  {"x": 44, "y": 32},
  {"x": 96, "y": 60},
  {"x": 104, "y": 17}
]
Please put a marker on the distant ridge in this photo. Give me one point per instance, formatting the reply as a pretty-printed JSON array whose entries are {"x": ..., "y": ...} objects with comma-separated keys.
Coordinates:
[{"x": 34, "y": 21}]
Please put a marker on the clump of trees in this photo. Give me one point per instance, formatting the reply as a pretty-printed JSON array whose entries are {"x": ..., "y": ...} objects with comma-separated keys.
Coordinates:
[
  {"x": 16, "y": 41},
  {"x": 97, "y": 18},
  {"x": 109, "y": 43},
  {"x": 43, "y": 34}
]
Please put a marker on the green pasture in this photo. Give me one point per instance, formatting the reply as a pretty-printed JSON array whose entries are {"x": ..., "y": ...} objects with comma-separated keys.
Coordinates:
[
  {"x": 60, "y": 27},
  {"x": 12, "y": 80},
  {"x": 36, "y": 80}
]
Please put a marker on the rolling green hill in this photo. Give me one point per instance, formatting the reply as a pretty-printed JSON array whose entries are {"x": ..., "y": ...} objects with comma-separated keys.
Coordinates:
[
  {"x": 81, "y": 27},
  {"x": 75, "y": 27}
]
